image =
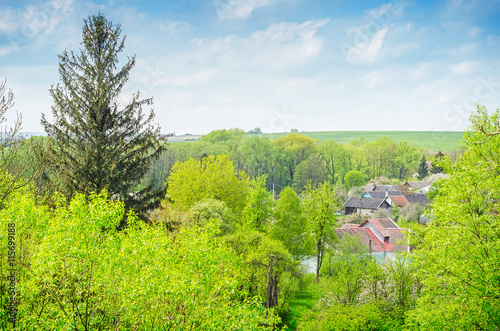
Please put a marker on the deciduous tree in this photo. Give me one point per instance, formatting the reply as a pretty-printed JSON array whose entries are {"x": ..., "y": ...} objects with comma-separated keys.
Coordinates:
[
  {"x": 458, "y": 253},
  {"x": 354, "y": 178},
  {"x": 320, "y": 204},
  {"x": 211, "y": 178},
  {"x": 259, "y": 207},
  {"x": 290, "y": 225},
  {"x": 300, "y": 147}
]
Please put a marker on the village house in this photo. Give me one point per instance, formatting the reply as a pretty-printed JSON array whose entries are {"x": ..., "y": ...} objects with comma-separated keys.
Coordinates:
[
  {"x": 419, "y": 198},
  {"x": 422, "y": 187},
  {"x": 380, "y": 235},
  {"x": 366, "y": 206}
]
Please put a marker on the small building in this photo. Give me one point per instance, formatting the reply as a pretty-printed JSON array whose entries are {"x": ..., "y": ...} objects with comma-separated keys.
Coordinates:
[
  {"x": 380, "y": 194},
  {"x": 419, "y": 198},
  {"x": 399, "y": 200},
  {"x": 421, "y": 186},
  {"x": 367, "y": 206},
  {"x": 386, "y": 188},
  {"x": 380, "y": 235}
]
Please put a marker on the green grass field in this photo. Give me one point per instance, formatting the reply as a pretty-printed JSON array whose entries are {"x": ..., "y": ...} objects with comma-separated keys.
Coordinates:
[{"x": 446, "y": 141}]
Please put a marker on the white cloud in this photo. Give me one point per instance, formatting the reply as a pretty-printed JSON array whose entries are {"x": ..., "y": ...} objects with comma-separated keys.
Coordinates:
[
  {"x": 474, "y": 31},
  {"x": 175, "y": 27},
  {"x": 493, "y": 40},
  {"x": 423, "y": 70},
  {"x": 464, "y": 67},
  {"x": 373, "y": 79},
  {"x": 367, "y": 52},
  {"x": 35, "y": 26},
  {"x": 278, "y": 46},
  {"x": 239, "y": 9}
]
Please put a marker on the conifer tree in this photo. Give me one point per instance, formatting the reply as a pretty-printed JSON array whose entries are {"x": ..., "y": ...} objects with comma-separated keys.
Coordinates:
[
  {"x": 423, "y": 170},
  {"x": 99, "y": 143}
]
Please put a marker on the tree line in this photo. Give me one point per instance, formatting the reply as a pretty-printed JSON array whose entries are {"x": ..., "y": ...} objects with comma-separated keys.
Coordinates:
[{"x": 295, "y": 159}]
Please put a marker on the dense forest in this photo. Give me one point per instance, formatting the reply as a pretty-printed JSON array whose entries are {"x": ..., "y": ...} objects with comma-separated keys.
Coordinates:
[{"x": 106, "y": 226}]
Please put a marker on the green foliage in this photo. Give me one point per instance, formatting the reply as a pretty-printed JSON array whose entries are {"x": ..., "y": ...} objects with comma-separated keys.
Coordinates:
[
  {"x": 336, "y": 158},
  {"x": 290, "y": 226},
  {"x": 259, "y": 207},
  {"x": 347, "y": 318},
  {"x": 75, "y": 271},
  {"x": 211, "y": 178},
  {"x": 320, "y": 204},
  {"x": 223, "y": 135},
  {"x": 423, "y": 170},
  {"x": 345, "y": 270},
  {"x": 458, "y": 253},
  {"x": 205, "y": 211},
  {"x": 434, "y": 189},
  {"x": 441, "y": 164},
  {"x": 411, "y": 211},
  {"x": 310, "y": 170},
  {"x": 255, "y": 248},
  {"x": 257, "y": 130},
  {"x": 354, "y": 178},
  {"x": 447, "y": 141},
  {"x": 297, "y": 148},
  {"x": 97, "y": 145},
  {"x": 18, "y": 166},
  {"x": 406, "y": 159}
]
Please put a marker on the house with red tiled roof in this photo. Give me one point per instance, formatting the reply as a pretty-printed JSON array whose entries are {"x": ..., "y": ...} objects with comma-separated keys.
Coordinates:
[
  {"x": 380, "y": 235},
  {"x": 399, "y": 200}
]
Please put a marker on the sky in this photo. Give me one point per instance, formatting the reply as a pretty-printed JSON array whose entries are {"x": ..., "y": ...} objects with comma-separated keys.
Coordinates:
[{"x": 310, "y": 65}]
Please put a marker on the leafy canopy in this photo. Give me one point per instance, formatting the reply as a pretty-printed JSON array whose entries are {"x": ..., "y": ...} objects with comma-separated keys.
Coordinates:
[
  {"x": 458, "y": 251},
  {"x": 211, "y": 178}
]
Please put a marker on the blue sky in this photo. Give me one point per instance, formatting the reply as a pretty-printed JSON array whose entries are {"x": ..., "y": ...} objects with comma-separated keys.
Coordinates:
[{"x": 275, "y": 64}]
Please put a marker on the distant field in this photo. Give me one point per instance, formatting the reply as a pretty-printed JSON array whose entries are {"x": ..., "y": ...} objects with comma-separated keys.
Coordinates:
[
  {"x": 434, "y": 141},
  {"x": 446, "y": 141}
]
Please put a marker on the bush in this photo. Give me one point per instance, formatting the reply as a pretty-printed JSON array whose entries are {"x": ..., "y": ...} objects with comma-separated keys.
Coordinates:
[
  {"x": 346, "y": 318},
  {"x": 411, "y": 211}
]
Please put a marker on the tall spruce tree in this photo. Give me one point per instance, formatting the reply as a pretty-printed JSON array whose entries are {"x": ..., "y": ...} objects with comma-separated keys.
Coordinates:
[
  {"x": 423, "y": 170},
  {"x": 98, "y": 143}
]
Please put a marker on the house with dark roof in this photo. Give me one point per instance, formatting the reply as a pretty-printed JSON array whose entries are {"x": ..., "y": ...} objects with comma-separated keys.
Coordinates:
[
  {"x": 419, "y": 198},
  {"x": 386, "y": 188},
  {"x": 380, "y": 194},
  {"x": 378, "y": 234},
  {"x": 366, "y": 206},
  {"x": 421, "y": 186}
]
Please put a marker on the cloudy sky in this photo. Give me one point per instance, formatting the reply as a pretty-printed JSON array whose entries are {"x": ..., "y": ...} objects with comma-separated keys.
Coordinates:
[{"x": 312, "y": 65}]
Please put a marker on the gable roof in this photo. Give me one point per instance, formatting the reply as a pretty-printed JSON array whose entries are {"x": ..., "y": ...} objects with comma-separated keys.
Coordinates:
[
  {"x": 364, "y": 203},
  {"x": 369, "y": 187},
  {"x": 382, "y": 194},
  {"x": 350, "y": 225},
  {"x": 386, "y": 188},
  {"x": 399, "y": 200},
  {"x": 381, "y": 225},
  {"x": 418, "y": 198},
  {"x": 393, "y": 244},
  {"x": 418, "y": 184}
]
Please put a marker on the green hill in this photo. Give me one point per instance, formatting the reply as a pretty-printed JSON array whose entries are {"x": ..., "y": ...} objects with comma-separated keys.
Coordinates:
[{"x": 446, "y": 141}]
